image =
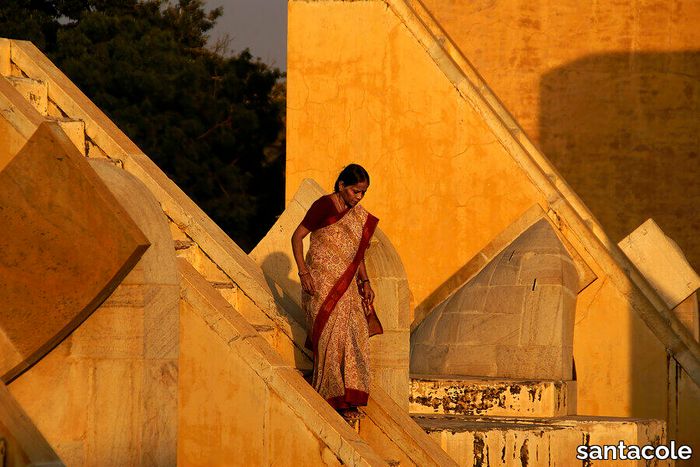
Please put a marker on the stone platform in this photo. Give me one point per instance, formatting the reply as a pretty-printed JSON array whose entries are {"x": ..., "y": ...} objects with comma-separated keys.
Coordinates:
[
  {"x": 491, "y": 396},
  {"x": 517, "y": 441}
]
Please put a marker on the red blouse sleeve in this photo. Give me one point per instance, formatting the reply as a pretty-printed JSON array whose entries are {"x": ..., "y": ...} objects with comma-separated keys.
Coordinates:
[{"x": 318, "y": 213}]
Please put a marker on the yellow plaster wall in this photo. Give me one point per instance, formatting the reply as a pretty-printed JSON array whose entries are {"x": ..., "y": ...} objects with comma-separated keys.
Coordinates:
[
  {"x": 385, "y": 104},
  {"x": 617, "y": 355},
  {"x": 362, "y": 89},
  {"x": 610, "y": 91}
]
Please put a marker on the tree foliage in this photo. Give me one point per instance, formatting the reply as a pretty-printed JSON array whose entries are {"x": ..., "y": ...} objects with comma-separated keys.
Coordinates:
[{"x": 211, "y": 121}]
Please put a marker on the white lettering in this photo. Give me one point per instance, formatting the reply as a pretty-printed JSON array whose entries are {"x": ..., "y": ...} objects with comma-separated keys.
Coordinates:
[
  {"x": 633, "y": 453},
  {"x": 582, "y": 452},
  {"x": 658, "y": 452},
  {"x": 608, "y": 451},
  {"x": 595, "y": 453},
  {"x": 673, "y": 450},
  {"x": 621, "y": 447},
  {"x": 685, "y": 452}
]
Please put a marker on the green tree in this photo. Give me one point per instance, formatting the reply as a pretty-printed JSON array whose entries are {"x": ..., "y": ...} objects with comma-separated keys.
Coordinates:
[{"x": 211, "y": 121}]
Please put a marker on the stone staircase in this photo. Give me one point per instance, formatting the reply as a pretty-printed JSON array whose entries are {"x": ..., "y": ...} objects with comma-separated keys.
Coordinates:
[{"x": 128, "y": 356}]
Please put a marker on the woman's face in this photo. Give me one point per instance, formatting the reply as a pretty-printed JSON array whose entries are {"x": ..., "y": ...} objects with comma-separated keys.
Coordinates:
[{"x": 352, "y": 194}]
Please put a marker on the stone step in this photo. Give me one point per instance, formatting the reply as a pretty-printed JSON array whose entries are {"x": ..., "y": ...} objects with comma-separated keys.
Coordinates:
[
  {"x": 513, "y": 441},
  {"x": 491, "y": 396},
  {"x": 75, "y": 130},
  {"x": 35, "y": 91}
]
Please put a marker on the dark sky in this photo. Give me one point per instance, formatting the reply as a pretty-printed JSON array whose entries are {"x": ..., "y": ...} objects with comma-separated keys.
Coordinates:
[{"x": 259, "y": 25}]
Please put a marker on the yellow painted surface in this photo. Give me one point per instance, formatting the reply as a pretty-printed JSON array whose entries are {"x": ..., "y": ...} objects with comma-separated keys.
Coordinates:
[
  {"x": 620, "y": 364},
  {"x": 385, "y": 104},
  {"x": 608, "y": 90},
  {"x": 362, "y": 88},
  {"x": 222, "y": 402}
]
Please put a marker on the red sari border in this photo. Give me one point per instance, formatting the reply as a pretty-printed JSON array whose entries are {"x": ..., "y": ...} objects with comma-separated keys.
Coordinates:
[
  {"x": 343, "y": 283},
  {"x": 351, "y": 398}
]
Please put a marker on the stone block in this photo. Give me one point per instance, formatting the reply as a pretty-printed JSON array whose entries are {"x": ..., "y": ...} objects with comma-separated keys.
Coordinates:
[
  {"x": 61, "y": 225},
  {"x": 545, "y": 319},
  {"x": 534, "y": 361},
  {"x": 544, "y": 269},
  {"x": 116, "y": 411},
  {"x": 661, "y": 262},
  {"x": 470, "y": 299},
  {"x": 516, "y": 441},
  {"x": 506, "y": 299},
  {"x": 160, "y": 321},
  {"x": 110, "y": 333},
  {"x": 505, "y": 273},
  {"x": 474, "y": 329},
  {"x": 468, "y": 360},
  {"x": 75, "y": 130},
  {"x": 492, "y": 397},
  {"x": 55, "y": 111},
  {"x": 33, "y": 90},
  {"x": 159, "y": 424}
]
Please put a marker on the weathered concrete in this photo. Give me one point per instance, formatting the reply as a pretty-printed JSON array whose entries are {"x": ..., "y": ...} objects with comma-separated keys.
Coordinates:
[
  {"x": 514, "y": 319},
  {"x": 491, "y": 397},
  {"x": 518, "y": 442},
  {"x": 66, "y": 245},
  {"x": 389, "y": 351}
]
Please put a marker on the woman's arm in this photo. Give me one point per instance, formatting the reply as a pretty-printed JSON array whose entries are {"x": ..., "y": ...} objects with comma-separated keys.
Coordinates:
[
  {"x": 307, "y": 283},
  {"x": 364, "y": 285}
]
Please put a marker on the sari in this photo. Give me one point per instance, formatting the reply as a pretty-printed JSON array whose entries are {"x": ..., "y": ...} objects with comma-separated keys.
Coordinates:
[{"x": 338, "y": 323}]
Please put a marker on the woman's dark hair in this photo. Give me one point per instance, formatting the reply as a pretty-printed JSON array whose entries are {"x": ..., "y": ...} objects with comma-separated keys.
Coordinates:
[{"x": 350, "y": 175}]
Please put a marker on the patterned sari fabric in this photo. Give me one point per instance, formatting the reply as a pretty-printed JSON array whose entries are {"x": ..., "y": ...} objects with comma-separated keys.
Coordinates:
[{"x": 336, "y": 318}]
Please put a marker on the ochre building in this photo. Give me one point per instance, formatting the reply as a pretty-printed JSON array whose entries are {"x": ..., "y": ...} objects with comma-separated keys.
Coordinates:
[{"x": 133, "y": 331}]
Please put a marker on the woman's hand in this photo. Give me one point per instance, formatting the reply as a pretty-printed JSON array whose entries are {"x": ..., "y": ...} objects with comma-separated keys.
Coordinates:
[
  {"x": 307, "y": 283},
  {"x": 367, "y": 293}
]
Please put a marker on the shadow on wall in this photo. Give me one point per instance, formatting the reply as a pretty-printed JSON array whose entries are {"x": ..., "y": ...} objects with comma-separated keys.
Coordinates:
[{"x": 624, "y": 131}]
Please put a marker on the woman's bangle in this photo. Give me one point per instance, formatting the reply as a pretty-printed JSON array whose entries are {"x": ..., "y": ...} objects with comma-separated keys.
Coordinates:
[{"x": 362, "y": 281}]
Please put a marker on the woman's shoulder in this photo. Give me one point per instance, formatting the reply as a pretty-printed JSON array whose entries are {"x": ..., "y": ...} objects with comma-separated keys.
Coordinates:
[
  {"x": 318, "y": 213},
  {"x": 324, "y": 203}
]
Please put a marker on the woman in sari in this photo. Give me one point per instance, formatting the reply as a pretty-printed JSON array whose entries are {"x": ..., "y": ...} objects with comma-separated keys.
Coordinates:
[{"x": 340, "y": 317}]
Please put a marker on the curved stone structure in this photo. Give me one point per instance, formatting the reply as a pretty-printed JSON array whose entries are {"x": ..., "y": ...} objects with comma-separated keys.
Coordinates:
[
  {"x": 514, "y": 319},
  {"x": 65, "y": 245}
]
